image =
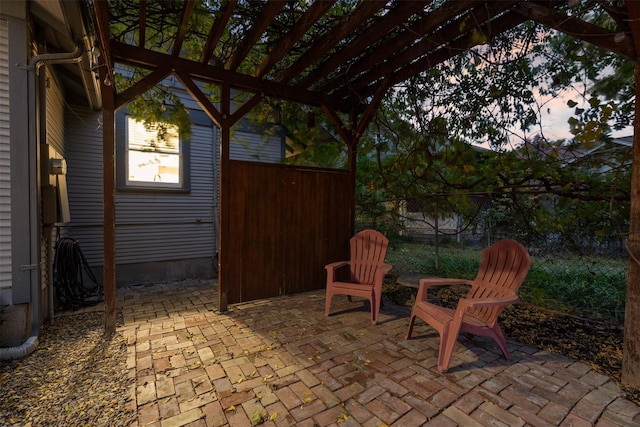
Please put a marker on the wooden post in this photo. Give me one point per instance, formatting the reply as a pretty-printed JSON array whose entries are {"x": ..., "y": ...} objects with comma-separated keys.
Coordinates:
[
  {"x": 108, "y": 200},
  {"x": 225, "y": 136},
  {"x": 631, "y": 350}
]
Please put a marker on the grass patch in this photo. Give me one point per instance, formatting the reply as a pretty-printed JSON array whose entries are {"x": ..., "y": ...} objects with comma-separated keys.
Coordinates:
[{"x": 569, "y": 283}]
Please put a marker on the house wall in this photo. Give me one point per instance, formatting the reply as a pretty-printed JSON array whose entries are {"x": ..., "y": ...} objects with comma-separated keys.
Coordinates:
[
  {"x": 5, "y": 169},
  {"x": 159, "y": 236},
  {"x": 52, "y": 146}
]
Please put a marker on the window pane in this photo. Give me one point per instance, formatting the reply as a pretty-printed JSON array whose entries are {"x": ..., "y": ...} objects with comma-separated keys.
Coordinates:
[
  {"x": 139, "y": 138},
  {"x": 154, "y": 167},
  {"x": 151, "y": 160}
]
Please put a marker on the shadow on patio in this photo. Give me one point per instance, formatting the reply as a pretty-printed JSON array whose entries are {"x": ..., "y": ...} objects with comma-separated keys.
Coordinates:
[{"x": 281, "y": 362}]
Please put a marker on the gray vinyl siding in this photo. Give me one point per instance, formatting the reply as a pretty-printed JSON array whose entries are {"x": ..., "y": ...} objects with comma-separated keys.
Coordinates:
[
  {"x": 150, "y": 225},
  {"x": 256, "y": 146},
  {"x": 5, "y": 169},
  {"x": 83, "y": 153},
  {"x": 54, "y": 132},
  {"x": 156, "y": 226}
]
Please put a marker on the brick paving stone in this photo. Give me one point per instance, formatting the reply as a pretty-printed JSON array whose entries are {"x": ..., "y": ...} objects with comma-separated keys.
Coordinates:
[
  {"x": 420, "y": 405},
  {"x": 553, "y": 412},
  {"x": 288, "y": 397},
  {"x": 523, "y": 398},
  {"x": 146, "y": 392},
  {"x": 496, "y": 384},
  {"x": 574, "y": 390},
  {"x": 357, "y": 411},
  {"x": 370, "y": 394},
  {"x": 554, "y": 397},
  {"x": 468, "y": 402},
  {"x": 197, "y": 401},
  {"x": 487, "y": 419},
  {"x": 307, "y": 410},
  {"x": 532, "y": 419},
  {"x": 588, "y": 410},
  {"x": 501, "y": 414},
  {"x": 223, "y": 387},
  {"x": 492, "y": 397},
  {"x": 329, "y": 398},
  {"x": 236, "y": 399},
  {"x": 442, "y": 421},
  {"x": 624, "y": 408},
  {"x": 388, "y": 408},
  {"x": 164, "y": 388},
  {"x": 255, "y": 410},
  {"x": 348, "y": 391},
  {"x": 238, "y": 418},
  {"x": 573, "y": 420},
  {"x": 619, "y": 419},
  {"x": 148, "y": 414},
  {"x": 594, "y": 378},
  {"x": 460, "y": 418},
  {"x": 168, "y": 407},
  {"x": 601, "y": 396},
  {"x": 443, "y": 398},
  {"x": 334, "y": 415},
  {"x": 184, "y": 391}
]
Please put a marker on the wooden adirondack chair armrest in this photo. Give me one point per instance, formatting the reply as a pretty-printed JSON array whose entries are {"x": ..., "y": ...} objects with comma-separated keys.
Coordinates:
[
  {"x": 438, "y": 282},
  {"x": 336, "y": 265},
  {"x": 466, "y": 303},
  {"x": 333, "y": 267},
  {"x": 381, "y": 271}
]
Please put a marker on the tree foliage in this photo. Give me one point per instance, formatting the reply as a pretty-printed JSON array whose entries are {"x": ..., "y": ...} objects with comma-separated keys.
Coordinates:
[{"x": 423, "y": 145}]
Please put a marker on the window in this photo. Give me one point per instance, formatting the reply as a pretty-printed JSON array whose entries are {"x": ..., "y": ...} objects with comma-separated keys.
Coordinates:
[{"x": 147, "y": 160}]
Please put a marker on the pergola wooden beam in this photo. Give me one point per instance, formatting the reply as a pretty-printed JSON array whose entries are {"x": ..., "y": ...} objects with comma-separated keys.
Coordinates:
[
  {"x": 269, "y": 12},
  {"x": 315, "y": 12},
  {"x": 449, "y": 37},
  {"x": 142, "y": 23},
  {"x": 217, "y": 29},
  {"x": 182, "y": 28},
  {"x": 371, "y": 35},
  {"x": 364, "y": 11},
  {"x": 450, "y": 50},
  {"x": 137, "y": 57},
  {"x": 398, "y": 44},
  {"x": 140, "y": 87}
]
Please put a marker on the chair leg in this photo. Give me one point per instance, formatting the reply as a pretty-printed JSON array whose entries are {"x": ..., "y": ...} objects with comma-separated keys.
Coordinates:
[
  {"x": 327, "y": 303},
  {"x": 501, "y": 341},
  {"x": 448, "y": 340},
  {"x": 375, "y": 309},
  {"x": 412, "y": 320}
]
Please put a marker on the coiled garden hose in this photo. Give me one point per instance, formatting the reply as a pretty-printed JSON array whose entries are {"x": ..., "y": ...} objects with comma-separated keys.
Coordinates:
[{"x": 69, "y": 269}]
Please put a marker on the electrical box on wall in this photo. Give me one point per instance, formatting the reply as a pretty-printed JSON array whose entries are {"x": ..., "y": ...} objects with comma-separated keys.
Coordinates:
[{"x": 55, "y": 201}]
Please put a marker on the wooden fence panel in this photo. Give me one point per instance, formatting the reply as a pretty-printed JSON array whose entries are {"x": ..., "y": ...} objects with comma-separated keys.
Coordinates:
[{"x": 287, "y": 223}]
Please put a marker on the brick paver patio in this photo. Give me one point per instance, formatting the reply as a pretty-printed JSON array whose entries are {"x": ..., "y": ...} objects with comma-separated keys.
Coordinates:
[{"x": 281, "y": 362}]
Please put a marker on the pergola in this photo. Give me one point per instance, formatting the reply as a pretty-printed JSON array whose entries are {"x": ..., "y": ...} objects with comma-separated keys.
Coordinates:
[{"x": 340, "y": 57}]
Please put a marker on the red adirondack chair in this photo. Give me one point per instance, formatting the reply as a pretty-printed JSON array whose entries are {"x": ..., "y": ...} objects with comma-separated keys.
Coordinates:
[
  {"x": 366, "y": 271},
  {"x": 503, "y": 268}
]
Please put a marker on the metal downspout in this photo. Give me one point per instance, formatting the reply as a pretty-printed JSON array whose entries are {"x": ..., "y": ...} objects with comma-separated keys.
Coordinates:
[{"x": 35, "y": 62}]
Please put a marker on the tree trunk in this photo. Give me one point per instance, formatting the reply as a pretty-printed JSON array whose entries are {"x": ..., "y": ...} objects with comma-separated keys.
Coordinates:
[{"x": 631, "y": 349}]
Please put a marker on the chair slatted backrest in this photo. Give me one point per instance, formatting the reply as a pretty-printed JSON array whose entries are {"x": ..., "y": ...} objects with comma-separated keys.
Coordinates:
[
  {"x": 503, "y": 268},
  {"x": 368, "y": 252}
]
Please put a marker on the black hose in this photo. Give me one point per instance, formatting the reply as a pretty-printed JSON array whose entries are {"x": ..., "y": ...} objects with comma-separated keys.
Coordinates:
[{"x": 69, "y": 264}]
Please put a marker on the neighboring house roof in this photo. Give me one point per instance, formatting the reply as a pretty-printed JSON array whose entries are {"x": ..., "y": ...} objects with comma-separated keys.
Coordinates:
[{"x": 571, "y": 153}]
